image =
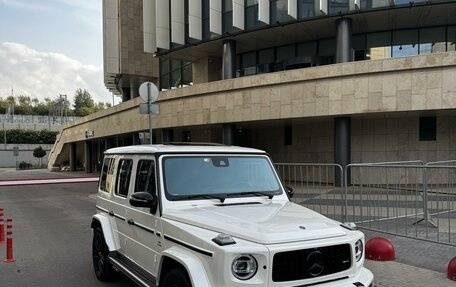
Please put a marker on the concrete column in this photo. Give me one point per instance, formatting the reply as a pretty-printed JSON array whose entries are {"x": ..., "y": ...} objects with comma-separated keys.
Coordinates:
[
  {"x": 72, "y": 156},
  {"x": 229, "y": 59},
  {"x": 88, "y": 156},
  {"x": 342, "y": 145},
  {"x": 344, "y": 51},
  {"x": 126, "y": 94},
  {"x": 228, "y": 134}
]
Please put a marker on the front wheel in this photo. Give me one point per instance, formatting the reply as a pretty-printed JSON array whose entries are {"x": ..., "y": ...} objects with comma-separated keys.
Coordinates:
[
  {"x": 103, "y": 268},
  {"x": 176, "y": 278}
]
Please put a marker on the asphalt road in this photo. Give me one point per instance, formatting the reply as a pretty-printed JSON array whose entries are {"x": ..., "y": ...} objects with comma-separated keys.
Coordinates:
[{"x": 52, "y": 236}]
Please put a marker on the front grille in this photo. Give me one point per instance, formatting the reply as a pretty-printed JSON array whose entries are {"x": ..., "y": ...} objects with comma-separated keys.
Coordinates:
[{"x": 310, "y": 263}]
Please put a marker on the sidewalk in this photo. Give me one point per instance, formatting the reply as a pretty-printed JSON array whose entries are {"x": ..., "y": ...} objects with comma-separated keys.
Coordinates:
[{"x": 418, "y": 263}]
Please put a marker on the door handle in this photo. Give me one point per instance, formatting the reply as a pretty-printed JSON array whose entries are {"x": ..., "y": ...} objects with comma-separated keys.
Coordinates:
[{"x": 131, "y": 222}]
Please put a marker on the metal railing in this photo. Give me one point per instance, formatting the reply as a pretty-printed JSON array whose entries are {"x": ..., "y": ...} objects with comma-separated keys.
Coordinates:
[
  {"x": 409, "y": 199},
  {"x": 314, "y": 186}
]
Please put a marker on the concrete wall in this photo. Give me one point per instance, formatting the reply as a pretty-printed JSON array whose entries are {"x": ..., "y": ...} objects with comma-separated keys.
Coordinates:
[{"x": 7, "y": 158}]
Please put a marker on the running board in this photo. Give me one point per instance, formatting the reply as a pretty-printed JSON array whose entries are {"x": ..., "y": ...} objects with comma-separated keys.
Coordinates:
[{"x": 134, "y": 275}]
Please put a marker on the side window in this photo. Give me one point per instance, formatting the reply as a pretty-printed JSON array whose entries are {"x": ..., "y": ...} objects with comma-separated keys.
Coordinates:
[
  {"x": 104, "y": 174},
  {"x": 145, "y": 176},
  {"x": 123, "y": 177}
]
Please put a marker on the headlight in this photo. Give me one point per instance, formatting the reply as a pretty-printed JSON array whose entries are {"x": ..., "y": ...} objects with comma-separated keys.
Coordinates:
[
  {"x": 244, "y": 267},
  {"x": 359, "y": 250}
]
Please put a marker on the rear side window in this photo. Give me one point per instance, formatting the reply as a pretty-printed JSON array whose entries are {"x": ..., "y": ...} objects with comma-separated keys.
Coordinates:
[
  {"x": 104, "y": 173},
  {"x": 123, "y": 177},
  {"x": 145, "y": 176}
]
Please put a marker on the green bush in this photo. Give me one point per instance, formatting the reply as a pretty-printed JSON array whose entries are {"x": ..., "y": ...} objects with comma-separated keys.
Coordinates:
[
  {"x": 25, "y": 165},
  {"x": 19, "y": 136}
]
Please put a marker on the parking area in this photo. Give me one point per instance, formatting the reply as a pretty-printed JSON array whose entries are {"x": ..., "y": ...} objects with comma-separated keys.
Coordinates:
[{"x": 52, "y": 240}]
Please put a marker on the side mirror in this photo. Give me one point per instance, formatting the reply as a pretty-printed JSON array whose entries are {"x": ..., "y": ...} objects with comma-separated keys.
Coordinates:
[
  {"x": 144, "y": 199},
  {"x": 290, "y": 191}
]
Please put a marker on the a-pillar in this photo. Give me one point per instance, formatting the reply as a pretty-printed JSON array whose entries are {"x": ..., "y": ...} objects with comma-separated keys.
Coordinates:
[
  {"x": 88, "y": 156},
  {"x": 342, "y": 125},
  {"x": 72, "y": 156}
]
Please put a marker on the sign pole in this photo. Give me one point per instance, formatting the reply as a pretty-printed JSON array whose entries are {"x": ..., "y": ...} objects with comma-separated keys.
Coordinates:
[{"x": 149, "y": 102}]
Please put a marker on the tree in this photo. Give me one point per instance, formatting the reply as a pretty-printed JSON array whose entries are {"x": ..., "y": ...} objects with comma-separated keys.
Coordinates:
[
  {"x": 83, "y": 103},
  {"x": 39, "y": 152}
]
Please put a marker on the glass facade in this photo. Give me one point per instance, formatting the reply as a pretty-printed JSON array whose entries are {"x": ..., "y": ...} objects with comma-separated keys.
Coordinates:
[
  {"x": 175, "y": 73},
  {"x": 371, "y": 46}
]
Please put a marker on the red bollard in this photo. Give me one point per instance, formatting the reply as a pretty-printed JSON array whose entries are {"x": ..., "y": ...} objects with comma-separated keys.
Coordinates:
[
  {"x": 2, "y": 227},
  {"x": 9, "y": 241}
]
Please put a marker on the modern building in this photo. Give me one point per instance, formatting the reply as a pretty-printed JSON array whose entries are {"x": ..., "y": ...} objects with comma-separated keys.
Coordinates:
[{"x": 306, "y": 80}]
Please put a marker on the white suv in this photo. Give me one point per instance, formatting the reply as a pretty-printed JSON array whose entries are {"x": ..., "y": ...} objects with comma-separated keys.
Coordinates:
[{"x": 182, "y": 215}]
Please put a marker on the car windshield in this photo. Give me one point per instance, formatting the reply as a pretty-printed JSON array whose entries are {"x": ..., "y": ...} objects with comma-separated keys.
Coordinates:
[{"x": 218, "y": 177}]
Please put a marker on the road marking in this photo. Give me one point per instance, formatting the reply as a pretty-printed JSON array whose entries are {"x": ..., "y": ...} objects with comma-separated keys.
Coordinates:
[{"x": 47, "y": 181}]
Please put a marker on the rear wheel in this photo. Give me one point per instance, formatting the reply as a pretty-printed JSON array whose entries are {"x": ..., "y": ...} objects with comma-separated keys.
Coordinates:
[
  {"x": 176, "y": 278},
  {"x": 103, "y": 268}
]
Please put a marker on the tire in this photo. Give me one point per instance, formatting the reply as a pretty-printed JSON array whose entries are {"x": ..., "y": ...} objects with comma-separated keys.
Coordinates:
[
  {"x": 103, "y": 268},
  {"x": 176, "y": 278}
]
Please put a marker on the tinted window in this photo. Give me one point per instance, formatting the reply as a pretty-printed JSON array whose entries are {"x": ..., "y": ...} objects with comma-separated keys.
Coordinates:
[
  {"x": 104, "y": 173},
  {"x": 230, "y": 175},
  {"x": 145, "y": 176},
  {"x": 123, "y": 177}
]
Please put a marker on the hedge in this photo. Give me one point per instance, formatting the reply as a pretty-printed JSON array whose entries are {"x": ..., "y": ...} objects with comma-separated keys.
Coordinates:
[{"x": 19, "y": 136}]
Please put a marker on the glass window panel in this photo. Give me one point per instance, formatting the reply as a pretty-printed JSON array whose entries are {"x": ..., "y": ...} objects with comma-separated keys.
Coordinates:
[
  {"x": 187, "y": 73},
  {"x": 176, "y": 78},
  {"x": 248, "y": 59},
  {"x": 337, "y": 6},
  {"x": 432, "y": 40},
  {"x": 145, "y": 176},
  {"x": 306, "y": 8},
  {"x": 405, "y": 43},
  {"x": 378, "y": 45},
  {"x": 205, "y": 20},
  {"x": 227, "y": 5},
  {"x": 407, "y": 2},
  {"x": 359, "y": 42},
  {"x": 227, "y": 16},
  {"x": 327, "y": 47},
  {"x": 377, "y": 3},
  {"x": 266, "y": 56},
  {"x": 359, "y": 47},
  {"x": 164, "y": 65},
  {"x": 285, "y": 53},
  {"x": 451, "y": 45},
  {"x": 307, "y": 49},
  {"x": 164, "y": 82},
  {"x": 176, "y": 65},
  {"x": 279, "y": 11},
  {"x": 123, "y": 177}
]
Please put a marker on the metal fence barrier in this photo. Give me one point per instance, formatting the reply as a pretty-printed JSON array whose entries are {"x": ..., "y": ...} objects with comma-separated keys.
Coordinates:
[
  {"x": 409, "y": 199},
  {"x": 314, "y": 187}
]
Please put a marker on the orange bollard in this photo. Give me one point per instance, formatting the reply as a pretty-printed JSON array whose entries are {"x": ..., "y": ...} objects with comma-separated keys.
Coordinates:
[
  {"x": 2, "y": 227},
  {"x": 9, "y": 241}
]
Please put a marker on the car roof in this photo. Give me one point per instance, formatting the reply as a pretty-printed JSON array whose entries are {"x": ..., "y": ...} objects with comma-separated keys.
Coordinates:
[{"x": 181, "y": 148}]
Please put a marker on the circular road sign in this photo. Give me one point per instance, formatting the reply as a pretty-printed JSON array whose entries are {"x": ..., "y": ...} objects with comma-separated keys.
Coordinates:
[{"x": 153, "y": 92}]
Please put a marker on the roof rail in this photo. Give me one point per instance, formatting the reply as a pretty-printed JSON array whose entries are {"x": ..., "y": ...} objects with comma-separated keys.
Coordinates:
[{"x": 193, "y": 143}]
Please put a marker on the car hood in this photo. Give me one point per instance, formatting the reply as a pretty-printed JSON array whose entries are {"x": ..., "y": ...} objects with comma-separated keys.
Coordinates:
[{"x": 270, "y": 223}]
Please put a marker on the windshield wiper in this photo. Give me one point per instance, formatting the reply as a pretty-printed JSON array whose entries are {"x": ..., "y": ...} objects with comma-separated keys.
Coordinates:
[
  {"x": 205, "y": 196},
  {"x": 257, "y": 193}
]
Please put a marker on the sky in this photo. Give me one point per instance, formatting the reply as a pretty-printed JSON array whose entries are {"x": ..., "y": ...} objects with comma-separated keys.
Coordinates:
[{"x": 51, "y": 47}]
